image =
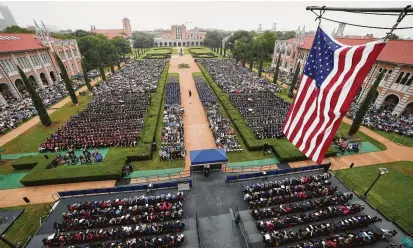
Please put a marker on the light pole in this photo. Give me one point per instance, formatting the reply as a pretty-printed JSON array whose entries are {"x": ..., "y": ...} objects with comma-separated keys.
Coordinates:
[{"x": 381, "y": 172}]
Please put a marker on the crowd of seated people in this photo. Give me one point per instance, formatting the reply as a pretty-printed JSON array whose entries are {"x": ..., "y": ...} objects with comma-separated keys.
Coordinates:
[
  {"x": 173, "y": 127},
  {"x": 382, "y": 119},
  {"x": 167, "y": 241},
  {"x": 350, "y": 239},
  {"x": 87, "y": 157},
  {"x": 115, "y": 115},
  {"x": 272, "y": 204},
  {"x": 277, "y": 238},
  {"x": 253, "y": 96},
  {"x": 127, "y": 218},
  {"x": 122, "y": 232},
  {"x": 346, "y": 144},
  {"x": 220, "y": 126},
  {"x": 21, "y": 110}
]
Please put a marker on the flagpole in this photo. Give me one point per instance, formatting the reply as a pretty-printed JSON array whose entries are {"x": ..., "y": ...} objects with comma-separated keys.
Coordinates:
[{"x": 409, "y": 9}]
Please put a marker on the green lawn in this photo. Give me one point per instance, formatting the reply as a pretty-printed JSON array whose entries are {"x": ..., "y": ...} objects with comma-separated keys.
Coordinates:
[
  {"x": 159, "y": 50},
  {"x": 155, "y": 163},
  {"x": 26, "y": 225},
  {"x": 30, "y": 140},
  {"x": 343, "y": 131},
  {"x": 175, "y": 51},
  {"x": 397, "y": 138},
  {"x": 393, "y": 190}
]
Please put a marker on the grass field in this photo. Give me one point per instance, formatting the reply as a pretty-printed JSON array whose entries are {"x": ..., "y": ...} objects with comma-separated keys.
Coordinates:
[
  {"x": 26, "y": 225},
  {"x": 175, "y": 51},
  {"x": 155, "y": 163},
  {"x": 30, "y": 140},
  {"x": 397, "y": 138},
  {"x": 159, "y": 50},
  {"x": 392, "y": 190}
]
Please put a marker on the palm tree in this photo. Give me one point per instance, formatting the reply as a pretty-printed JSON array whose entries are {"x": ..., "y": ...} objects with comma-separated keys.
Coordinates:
[
  {"x": 66, "y": 80},
  {"x": 364, "y": 107},
  {"x": 37, "y": 101}
]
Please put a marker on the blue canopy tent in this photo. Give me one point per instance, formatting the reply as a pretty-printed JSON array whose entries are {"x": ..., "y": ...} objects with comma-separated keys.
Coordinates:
[{"x": 213, "y": 157}]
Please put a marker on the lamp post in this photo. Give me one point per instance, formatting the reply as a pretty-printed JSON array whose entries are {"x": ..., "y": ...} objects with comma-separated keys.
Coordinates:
[{"x": 381, "y": 173}]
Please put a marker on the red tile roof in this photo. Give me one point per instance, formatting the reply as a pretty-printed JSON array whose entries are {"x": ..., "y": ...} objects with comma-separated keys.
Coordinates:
[
  {"x": 19, "y": 42},
  {"x": 395, "y": 51},
  {"x": 110, "y": 33}
]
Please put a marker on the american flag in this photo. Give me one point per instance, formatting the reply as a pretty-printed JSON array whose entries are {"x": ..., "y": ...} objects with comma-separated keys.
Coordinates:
[{"x": 332, "y": 76}]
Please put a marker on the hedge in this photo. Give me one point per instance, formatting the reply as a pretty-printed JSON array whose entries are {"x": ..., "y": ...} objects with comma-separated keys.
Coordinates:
[
  {"x": 284, "y": 150},
  {"x": 148, "y": 134},
  {"x": 29, "y": 162}
]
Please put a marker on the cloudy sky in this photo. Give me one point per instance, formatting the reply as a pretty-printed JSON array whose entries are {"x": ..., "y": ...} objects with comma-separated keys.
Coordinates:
[{"x": 222, "y": 15}]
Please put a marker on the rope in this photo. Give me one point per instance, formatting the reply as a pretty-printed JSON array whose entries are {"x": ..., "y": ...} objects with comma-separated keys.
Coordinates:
[{"x": 399, "y": 19}]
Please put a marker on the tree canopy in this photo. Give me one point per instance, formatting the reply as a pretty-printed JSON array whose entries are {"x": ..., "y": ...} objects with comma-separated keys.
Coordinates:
[
  {"x": 214, "y": 38},
  {"x": 97, "y": 49},
  {"x": 18, "y": 30},
  {"x": 141, "y": 40}
]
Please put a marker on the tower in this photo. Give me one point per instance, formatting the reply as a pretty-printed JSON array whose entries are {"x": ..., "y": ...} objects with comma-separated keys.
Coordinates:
[
  {"x": 6, "y": 17},
  {"x": 340, "y": 30},
  {"x": 274, "y": 27},
  {"x": 259, "y": 30},
  {"x": 126, "y": 26}
]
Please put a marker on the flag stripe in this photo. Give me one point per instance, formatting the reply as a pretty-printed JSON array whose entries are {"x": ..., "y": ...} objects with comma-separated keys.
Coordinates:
[
  {"x": 337, "y": 93},
  {"x": 337, "y": 70},
  {"x": 298, "y": 100},
  {"x": 357, "y": 79}
]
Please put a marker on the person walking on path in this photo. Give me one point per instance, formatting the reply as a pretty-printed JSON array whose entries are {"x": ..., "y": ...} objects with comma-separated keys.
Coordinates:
[{"x": 190, "y": 94}]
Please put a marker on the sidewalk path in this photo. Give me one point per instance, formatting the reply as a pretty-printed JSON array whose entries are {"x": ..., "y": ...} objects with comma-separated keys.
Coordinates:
[
  {"x": 197, "y": 134},
  {"x": 43, "y": 194}
]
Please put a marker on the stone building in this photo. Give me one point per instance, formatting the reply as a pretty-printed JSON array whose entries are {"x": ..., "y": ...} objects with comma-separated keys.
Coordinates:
[
  {"x": 396, "y": 59},
  {"x": 34, "y": 54},
  {"x": 178, "y": 35},
  {"x": 125, "y": 32}
]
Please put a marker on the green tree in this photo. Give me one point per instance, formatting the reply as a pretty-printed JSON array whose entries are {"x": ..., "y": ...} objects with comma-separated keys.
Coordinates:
[
  {"x": 37, "y": 101},
  {"x": 277, "y": 68},
  {"x": 102, "y": 73},
  {"x": 240, "y": 35},
  {"x": 142, "y": 40},
  {"x": 364, "y": 107},
  {"x": 66, "y": 79},
  {"x": 86, "y": 76},
  {"x": 18, "y": 30},
  {"x": 121, "y": 44},
  {"x": 294, "y": 81}
]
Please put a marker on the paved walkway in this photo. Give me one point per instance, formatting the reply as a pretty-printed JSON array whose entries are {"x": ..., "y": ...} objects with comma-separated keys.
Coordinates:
[
  {"x": 197, "y": 134},
  {"x": 43, "y": 194}
]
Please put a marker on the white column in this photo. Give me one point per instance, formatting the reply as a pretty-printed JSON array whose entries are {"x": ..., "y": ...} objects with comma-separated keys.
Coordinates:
[{"x": 403, "y": 102}]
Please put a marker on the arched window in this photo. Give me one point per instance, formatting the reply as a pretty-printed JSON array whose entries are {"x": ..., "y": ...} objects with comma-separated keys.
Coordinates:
[
  {"x": 405, "y": 78},
  {"x": 409, "y": 82},
  {"x": 400, "y": 77}
]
